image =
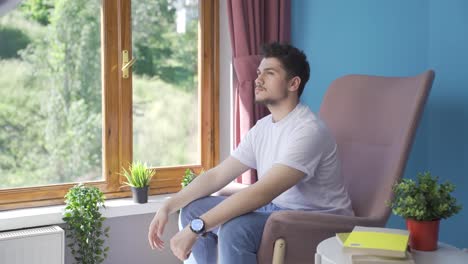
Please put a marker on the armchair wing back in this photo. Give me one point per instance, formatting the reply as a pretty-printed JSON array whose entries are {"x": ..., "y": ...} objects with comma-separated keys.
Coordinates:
[{"x": 374, "y": 120}]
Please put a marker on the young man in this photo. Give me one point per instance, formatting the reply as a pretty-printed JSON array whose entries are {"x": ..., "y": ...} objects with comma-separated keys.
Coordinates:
[{"x": 298, "y": 169}]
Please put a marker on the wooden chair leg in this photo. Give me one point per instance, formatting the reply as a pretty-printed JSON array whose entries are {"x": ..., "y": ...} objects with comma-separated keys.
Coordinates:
[{"x": 279, "y": 251}]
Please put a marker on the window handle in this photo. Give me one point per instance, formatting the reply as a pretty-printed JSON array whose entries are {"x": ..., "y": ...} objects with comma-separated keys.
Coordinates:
[{"x": 126, "y": 64}]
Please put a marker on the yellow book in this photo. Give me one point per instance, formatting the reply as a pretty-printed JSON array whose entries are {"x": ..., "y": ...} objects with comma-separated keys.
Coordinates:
[
  {"x": 341, "y": 237},
  {"x": 370, "y": 259},
  {"x": 387, "y": 242}
]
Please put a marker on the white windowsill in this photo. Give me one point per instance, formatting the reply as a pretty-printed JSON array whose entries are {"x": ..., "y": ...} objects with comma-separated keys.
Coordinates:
[{"x": 50, "y": 215}]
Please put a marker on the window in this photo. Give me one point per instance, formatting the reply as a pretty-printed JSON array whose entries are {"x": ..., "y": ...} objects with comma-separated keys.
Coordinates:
[{"x": 68, "y": 114}]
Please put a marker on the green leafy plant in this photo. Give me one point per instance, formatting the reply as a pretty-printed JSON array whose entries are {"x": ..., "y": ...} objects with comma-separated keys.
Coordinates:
[
  {"x": 425, "y": 199},
  {"x": 138, "y": 175},
  {"x": 13, "y": 40},
  {"x": 84, "y": 224},
  {"x": 189, "y": 176}
]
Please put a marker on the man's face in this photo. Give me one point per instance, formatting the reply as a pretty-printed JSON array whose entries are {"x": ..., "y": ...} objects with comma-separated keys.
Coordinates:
[{"x": 271, "y": 85}]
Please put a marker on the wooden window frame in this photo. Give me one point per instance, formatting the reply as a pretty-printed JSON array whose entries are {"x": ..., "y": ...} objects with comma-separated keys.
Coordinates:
[{"x": 117, "y": 111}]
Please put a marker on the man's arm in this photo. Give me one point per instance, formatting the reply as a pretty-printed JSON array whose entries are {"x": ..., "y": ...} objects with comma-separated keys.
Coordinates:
[
  {"x": 231, "y": 188},
  {"x": 207, "y": 183},
  {"x": 277, "y": 180},
  {"x": 203, "y": 185}
]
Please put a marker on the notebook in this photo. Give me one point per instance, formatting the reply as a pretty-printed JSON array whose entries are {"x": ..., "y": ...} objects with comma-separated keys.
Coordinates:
[{"x": 386, "y": 242}]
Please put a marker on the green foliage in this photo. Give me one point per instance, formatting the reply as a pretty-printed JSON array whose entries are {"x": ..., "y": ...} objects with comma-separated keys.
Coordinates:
[
  {"x": 138, "y": 174},
  {"x": 38, "y": 10},
  {"x": 84, "y": 224},
  {"x": 189, "y": 176},
  {"x": 166, "y": 119},
  {"x": 50, "y": 101},
  {"x": 161, "y": 51},
  {"x": 424, "y": 200},
  {"x": 67, "y": 68},
  {"x": 13, "y": 40},
  {"x": 52, "y": 111},
  {"x": 22, "y": 157}
]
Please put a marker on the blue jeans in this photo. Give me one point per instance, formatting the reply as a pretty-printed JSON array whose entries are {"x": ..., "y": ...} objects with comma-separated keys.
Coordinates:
[{"x": 238, "y": 239}]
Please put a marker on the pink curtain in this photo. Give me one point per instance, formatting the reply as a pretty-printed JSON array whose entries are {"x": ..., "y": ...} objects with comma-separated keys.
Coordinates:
[{"x": 251, "y": 24}]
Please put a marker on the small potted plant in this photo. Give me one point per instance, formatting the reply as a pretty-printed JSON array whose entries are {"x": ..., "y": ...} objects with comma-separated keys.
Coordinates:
[
  {"x": 84, "y": 224},
  {"x": 189, "y": 176},
  {"x": 423, "y": 203},
  {"x": 138, "y": 178}
]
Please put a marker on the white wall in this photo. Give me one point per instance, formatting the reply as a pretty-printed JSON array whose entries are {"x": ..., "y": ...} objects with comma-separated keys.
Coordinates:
[
  {"x": 128, "y": 242},
  {"x": 225, "y": 105}
]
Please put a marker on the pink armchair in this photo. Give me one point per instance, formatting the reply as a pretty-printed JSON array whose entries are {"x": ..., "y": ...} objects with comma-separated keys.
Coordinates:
[{"x": 374, "y": 120}]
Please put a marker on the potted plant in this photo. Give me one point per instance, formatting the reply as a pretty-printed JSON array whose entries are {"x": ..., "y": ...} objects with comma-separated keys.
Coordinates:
[
  {"x": 138, "y": 178},
  {"x": 84, "y": 224},
  {"x": 188, "y": 177},
  {"x": 423, "y": 203}
]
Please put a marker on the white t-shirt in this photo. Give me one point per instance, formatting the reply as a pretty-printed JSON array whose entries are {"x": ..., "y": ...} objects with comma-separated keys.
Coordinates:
[{"x": 301, "y": 141}]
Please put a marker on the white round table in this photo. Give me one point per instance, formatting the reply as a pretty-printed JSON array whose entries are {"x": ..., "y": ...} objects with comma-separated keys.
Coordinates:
[{"x": 330, "y": 251}]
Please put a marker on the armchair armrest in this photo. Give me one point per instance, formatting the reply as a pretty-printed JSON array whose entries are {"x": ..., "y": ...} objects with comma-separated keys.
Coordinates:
[{"x": 303, "y": 231}]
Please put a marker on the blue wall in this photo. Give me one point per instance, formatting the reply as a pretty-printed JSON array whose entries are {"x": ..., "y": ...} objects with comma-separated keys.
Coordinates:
[{"x": 400, "y": 38}]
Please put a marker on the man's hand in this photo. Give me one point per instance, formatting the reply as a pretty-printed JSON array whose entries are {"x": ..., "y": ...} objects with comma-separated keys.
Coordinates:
[
  {"x": 182, "y": 243},
  {"x": 156, "y": 228}
]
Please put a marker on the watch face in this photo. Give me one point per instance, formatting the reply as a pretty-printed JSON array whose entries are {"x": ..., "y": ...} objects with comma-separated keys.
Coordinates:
[{"x": 197, "y": 225}]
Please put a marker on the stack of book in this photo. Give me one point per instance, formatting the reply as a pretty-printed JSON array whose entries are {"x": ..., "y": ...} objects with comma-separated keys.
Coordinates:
[{"x": 366, "y": 245}]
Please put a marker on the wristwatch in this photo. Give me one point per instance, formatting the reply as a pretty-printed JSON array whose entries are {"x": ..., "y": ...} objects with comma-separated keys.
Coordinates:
[{"x": 197, "y": 226}]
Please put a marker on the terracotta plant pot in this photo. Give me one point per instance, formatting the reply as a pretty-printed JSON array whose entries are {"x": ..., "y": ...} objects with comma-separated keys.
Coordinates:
[
  {"x": 140, "y": 195},
  {"x": 423, "y": 234}
]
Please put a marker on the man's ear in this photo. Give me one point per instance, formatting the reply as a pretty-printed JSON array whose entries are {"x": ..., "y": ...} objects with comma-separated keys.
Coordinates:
[{"x": 294, "y": 83}]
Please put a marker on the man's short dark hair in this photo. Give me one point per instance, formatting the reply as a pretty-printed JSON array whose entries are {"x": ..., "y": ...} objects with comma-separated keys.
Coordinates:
[{"x": 293, "y": 60}]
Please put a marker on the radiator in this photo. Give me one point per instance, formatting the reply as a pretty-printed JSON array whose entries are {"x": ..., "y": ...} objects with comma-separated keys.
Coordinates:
[{"x": 44, "y": 245}]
